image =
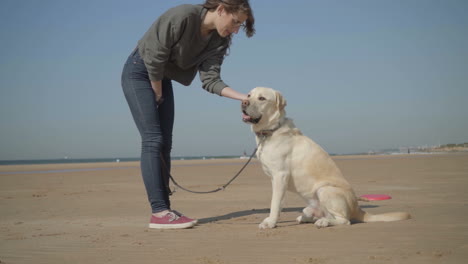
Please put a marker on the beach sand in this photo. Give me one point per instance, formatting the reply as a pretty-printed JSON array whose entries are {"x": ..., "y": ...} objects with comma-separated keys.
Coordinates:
[{"x": 98, "y": 213}]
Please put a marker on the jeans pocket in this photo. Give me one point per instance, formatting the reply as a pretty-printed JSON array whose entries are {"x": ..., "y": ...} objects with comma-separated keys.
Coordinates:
[{"x": 136, "y": 58}]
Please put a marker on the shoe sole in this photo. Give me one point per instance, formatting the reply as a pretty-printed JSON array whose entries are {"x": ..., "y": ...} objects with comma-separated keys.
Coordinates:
[{"x": 173, "y": 226}]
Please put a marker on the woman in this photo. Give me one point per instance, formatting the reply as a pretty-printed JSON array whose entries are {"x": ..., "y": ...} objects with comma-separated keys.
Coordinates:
[{"x": 182, "y": 41}]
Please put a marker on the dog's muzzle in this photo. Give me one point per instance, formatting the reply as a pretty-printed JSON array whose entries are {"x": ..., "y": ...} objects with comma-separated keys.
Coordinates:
[{"x": 245, "y": 116}]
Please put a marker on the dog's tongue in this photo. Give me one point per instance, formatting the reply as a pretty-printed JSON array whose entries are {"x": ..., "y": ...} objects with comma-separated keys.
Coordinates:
[{"x": 245, "y": 117}]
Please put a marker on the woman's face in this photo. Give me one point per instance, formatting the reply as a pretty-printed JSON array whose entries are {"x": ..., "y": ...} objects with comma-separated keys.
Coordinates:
[{"x": 229, "y": 23}]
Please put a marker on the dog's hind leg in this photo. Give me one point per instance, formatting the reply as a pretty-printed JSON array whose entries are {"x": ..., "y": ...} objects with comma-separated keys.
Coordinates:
[
  {"x": 331, "y": 221},
  {"x": 335, "y": 206},
  {"x": 311, "y": 213}
]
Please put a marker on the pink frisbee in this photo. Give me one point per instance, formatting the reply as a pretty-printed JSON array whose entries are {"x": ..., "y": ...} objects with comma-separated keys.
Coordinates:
[{"x": 376, "y": 197}]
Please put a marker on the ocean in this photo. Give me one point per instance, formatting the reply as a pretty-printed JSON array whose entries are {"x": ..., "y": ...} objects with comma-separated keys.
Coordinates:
[
  {"x": 69, "y": 160},
  {"x": 97, "y": 160}
]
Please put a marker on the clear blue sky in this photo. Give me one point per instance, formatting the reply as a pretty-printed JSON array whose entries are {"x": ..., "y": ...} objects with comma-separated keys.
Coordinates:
[{"x": 358, "y": 75}]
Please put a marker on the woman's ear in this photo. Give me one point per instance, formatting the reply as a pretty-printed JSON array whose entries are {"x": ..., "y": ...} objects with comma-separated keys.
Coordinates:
[{"x": 220, "y": 9}]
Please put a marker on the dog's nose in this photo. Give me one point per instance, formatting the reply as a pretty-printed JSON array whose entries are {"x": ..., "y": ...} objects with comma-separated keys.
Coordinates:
[{"x": 245, "y": 103}]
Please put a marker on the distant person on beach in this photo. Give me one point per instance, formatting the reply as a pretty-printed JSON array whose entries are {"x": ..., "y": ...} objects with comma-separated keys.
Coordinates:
[{"x": 183, "y": 40}]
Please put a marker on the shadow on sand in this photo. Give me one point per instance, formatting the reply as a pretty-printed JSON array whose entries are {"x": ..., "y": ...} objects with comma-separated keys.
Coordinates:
[
  {"x": 257, "y": 211},
  {"x": 244, "y": 213}
]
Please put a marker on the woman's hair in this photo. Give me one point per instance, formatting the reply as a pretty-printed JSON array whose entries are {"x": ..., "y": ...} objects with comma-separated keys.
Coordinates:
[{"x": 234, "y": 6}]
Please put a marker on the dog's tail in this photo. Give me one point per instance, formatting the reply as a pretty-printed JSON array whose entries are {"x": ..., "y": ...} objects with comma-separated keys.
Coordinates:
[
  {"x": 362, "y": 199},
  {"x": 385, "y": 217}
]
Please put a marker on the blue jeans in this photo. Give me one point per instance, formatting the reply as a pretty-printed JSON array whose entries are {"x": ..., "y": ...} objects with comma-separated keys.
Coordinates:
[{"x": 155, "y": 124}]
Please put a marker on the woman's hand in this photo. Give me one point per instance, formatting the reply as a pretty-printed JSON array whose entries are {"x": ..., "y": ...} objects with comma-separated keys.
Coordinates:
[
  {"x": 157, "y": 88},
  {"x": 233, "y": 94}
]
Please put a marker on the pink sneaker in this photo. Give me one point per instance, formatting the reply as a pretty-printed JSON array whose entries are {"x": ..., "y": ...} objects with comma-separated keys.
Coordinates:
[{"x": 172, "y": 220}]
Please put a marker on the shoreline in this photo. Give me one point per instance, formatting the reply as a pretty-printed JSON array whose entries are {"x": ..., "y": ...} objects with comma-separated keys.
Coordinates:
[
  {"x": 20, "y": 162},
  {"x": 103, "y": 166}
]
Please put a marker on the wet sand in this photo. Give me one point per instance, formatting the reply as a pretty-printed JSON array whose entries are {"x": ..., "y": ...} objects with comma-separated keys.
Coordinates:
[{"x": 98, "y": 213}]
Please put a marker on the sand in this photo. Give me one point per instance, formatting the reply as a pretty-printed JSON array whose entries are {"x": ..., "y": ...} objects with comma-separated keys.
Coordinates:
[{"x": 98, "y": 213}]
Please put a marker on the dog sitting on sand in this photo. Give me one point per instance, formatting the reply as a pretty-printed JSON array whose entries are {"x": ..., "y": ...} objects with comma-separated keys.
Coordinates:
[{"x": 296, "y": 163}]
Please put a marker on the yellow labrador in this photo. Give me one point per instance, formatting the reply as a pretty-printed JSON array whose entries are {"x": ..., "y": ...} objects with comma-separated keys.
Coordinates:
[{"x": 296, "y": 163}]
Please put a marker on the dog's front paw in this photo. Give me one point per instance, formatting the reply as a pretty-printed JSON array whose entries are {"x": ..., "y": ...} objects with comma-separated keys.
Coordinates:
[
  {"x": 267, "y": 223},
  {"x": 322, "y": 222}
]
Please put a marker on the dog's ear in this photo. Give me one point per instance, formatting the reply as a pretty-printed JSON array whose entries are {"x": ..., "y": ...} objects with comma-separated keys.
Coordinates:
[{"x": 280, "y": 101}]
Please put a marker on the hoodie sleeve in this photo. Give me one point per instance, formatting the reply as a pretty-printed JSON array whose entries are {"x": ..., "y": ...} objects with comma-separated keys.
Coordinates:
[{"x": 210, "y": 72}]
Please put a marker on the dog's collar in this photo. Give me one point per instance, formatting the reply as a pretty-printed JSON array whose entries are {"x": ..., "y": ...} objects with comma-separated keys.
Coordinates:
[
  {"x": 267, "y": 132},
  {"x": 264, "y": 133}
]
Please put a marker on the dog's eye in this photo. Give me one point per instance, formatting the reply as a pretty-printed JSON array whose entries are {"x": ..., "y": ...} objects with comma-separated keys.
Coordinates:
[
  {"x": 248, "y": 96},
  {"x": 261, "y": 98}
]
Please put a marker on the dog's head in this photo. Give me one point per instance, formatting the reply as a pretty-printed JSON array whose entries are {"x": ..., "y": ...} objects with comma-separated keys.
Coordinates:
[{"x": 264, "y": 108}]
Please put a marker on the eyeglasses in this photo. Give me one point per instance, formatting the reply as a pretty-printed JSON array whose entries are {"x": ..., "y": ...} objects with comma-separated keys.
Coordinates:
[{"x": 236, "y": 23}]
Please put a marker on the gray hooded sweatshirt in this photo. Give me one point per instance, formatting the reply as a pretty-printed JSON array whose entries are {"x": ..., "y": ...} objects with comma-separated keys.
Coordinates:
[{"x": 173, "y": 47}]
